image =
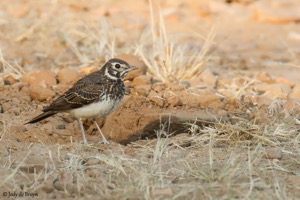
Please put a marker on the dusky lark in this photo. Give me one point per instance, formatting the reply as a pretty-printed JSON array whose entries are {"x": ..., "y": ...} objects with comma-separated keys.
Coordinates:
[{"x": 95, "y": 95}]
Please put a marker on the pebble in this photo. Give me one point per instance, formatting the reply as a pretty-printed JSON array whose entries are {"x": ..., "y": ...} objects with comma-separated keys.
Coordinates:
[
  {"x": 264, "y": 77},
  {"x": 176, "y": 87},
  {"x": 44, "y": 78},
  {"x": 159, "y": 87},
  {"x": 142, "y": 90},
  {"x": 273, "y": 153},
  {"x": 141, "y": 80},
  {"x": 40, "y": 93},
  {"x": 174, "y": 101},
  {"x": 10, "y": 80},
  {"x": 88, "y": 70},
  {"x": 66, "y": 76},
  {"x": 156, "y": 98},
  {"x": 208, "y": 78},
  {"x": 277, "y": 90}
]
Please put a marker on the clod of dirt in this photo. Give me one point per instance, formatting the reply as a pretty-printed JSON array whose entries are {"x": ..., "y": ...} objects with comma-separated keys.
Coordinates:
[
  {"x": 156, "y": 98},
  {"x": 134, "y": 61},
  {"x": 273, "y": 153},
  {"x": 44, "y": 78},
  {"x": 159, "y": 87},
  {"x": 18, "y": 85},
  {"x": 174, "y": 101},
  {"x": 177, "y": 87},
  {"x": 264, "y": 77},
  {"x": 66, "y": 76},
  {"x": 141, "y": 80},
  {"x": 39, "y": 93},
  {"x": 9, "y": 80},
  {"x": 279, "y": 90},
  {"x": 142, "y": 90},
  {"x": 87, "y": 70},
  {"x": 47, "y": 188},
  {"x": 208, "y": 78}
]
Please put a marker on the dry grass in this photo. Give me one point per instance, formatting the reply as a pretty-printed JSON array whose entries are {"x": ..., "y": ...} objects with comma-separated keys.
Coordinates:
[
  {"x": 221, "y": 161},
  {"x": 172, "y": 58}
]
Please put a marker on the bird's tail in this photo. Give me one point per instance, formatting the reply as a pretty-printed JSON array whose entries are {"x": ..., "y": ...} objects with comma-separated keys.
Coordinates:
[{"x": 41, "y": 117}]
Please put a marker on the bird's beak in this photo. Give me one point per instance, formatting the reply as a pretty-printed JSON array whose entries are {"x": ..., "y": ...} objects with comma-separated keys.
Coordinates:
[{"x": 133, "y": 68}]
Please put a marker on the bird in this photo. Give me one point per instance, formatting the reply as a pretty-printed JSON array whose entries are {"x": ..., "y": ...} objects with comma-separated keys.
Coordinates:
[{"x": 93, "y": 96}]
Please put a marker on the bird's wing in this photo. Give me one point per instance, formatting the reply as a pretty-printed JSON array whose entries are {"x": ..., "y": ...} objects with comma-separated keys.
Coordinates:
[{"x": 82, "y": 93}]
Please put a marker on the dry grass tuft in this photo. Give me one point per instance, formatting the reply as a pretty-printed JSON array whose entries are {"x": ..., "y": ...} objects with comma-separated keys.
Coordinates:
[{"x": 172, "y": 58}]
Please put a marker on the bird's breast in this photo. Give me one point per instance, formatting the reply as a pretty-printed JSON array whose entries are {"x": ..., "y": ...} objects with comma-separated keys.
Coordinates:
[{"x": 96, "y": 109}]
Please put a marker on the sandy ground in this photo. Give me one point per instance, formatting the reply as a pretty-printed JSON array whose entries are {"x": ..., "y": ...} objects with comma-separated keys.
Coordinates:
[{"x": 213, "y": 112}]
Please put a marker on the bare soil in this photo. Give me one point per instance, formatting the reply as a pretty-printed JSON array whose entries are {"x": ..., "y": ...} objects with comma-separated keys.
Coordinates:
[{"x": 231, "y": 132}]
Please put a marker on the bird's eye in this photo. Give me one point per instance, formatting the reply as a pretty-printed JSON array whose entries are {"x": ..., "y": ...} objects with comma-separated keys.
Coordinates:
[{"x": 117, "y": 66}]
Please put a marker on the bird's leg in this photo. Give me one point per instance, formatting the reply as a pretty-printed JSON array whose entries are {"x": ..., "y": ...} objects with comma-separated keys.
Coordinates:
[
  {"x": 82, "y": 131},
  {"x": 103, "y": 137}
]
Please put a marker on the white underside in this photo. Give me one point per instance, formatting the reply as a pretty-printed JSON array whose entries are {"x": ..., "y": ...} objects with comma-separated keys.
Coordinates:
[{"x": 95, "y": 110}]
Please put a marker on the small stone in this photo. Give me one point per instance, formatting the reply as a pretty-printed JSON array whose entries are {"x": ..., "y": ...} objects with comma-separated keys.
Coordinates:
[
  {"x": 88, "y": 70},
  {"x": 47, "y": 188},
  {"x": 187, "y": 84},
  {"x": 176, "y": 87},
  {"x": 9, "y": 80},
  {"x": 66, "y": 76},
  {"x": 261, "y": 100},
  {"x": 68, "y": 118},
  {"x": 134, "y": 61},
  {"x": 141, "y": 80},
  {"x": 174, "y": 101},
  {"x": 163, "y": 191},
  {"x": 142, "y": 90},
  {"x": 264, "y": 77},
  {"x": 207, "y": 98},
  {"x": 40, "y": 93},
  {"x": 278, "y": 90},
  {"x": 208, "y": 78},
  {"x": 44, "y": 78},
  {"x": 222, "y": 113},
  {"x": 18, "y": 85},
  {"x": 159, "y": 87},
  {"x": 273, "y": 153},
  {"x": 61, "y": 88},
  {"x": 156, "y": 98},
  {"x": 92, "y": 162}
]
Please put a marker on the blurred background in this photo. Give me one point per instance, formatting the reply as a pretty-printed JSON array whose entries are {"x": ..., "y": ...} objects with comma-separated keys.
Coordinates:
[{"x": 244, "y": 34}]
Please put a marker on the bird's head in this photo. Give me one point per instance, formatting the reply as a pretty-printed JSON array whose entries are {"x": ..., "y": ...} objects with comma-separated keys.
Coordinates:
[{"x": 117, "y": 69}]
